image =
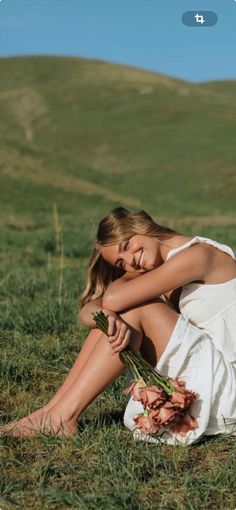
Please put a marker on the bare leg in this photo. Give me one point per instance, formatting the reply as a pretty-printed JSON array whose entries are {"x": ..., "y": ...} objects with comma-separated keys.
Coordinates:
[
  {"x": 156, "y": 319},
  {"x": 97, "y": 369},
  {"x": 81, "y": 359},
  {"x": 155, "y": 329},
  {"x": 35, "y": 418}
]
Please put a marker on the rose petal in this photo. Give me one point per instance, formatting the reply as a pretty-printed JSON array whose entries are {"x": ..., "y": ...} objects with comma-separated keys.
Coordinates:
[
  {"x": 178, "y": 385},
  {"x": 167, "y": 414},
  {"x": 178, "y": 398},
  {"x": 184, "y": 425},
  {"x": 128, "y": 390},
  {"x": 155, "y": 413},
  {"x": 152, "y": 397},
  {"x": 183, "y": 399},
  {"x": 135, "y": 389},
  {"x": 146, "y": 424}
]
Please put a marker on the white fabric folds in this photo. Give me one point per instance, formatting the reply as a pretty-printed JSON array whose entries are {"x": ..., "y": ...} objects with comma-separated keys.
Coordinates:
[{"x": 202, "y": 352}]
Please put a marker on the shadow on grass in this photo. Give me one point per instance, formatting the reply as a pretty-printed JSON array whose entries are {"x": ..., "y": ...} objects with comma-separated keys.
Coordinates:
[
  {"x": 107, "y": 419},
  {"x": 103, "y": 419},
  {"x": 217, "y": 438}
]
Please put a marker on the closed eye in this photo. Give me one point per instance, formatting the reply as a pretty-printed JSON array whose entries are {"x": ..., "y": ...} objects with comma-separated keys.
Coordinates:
[{"x": 121, "y": 263}]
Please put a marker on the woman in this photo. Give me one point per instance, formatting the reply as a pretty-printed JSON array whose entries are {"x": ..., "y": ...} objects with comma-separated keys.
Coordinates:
[{"x": 142, "y": 274}]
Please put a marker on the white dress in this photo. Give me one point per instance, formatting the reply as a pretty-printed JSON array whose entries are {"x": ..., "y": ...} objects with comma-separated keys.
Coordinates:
[{"x": 202, "y": 352}]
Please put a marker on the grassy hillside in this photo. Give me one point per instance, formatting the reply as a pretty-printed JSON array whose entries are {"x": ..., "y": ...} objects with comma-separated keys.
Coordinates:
[
  {"x": 78, "y": 138},
  {"x": 155, "y": 141}
]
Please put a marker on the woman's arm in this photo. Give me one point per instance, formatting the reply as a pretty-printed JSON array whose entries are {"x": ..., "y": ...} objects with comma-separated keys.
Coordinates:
[
  {"x": 85, "y": 314},
  {"x": 191, "y": 265},
  {"x": 119, "y": 332}
]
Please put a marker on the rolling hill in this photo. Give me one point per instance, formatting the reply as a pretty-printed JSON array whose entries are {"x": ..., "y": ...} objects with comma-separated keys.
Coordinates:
[{"x": 89, "y": 135}]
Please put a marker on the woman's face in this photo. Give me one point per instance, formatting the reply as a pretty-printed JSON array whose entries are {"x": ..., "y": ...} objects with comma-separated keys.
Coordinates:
[{"x": 140, "y": 253}]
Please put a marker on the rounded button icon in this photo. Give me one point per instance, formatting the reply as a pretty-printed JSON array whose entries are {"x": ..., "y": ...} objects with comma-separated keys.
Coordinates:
[{"x": 199, "y": 18}]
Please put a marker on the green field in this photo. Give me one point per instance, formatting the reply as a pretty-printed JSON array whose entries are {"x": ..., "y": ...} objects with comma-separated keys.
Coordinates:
[{"x": 79, "y": 138}]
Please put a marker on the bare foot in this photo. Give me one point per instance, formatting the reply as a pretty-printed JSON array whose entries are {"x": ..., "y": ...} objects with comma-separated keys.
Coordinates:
[{"x": 41, "y": 421}]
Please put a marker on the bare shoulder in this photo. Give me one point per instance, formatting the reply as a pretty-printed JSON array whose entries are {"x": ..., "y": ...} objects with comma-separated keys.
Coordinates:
[
  {"x": 194, "y": 262},
  {"x": 209, "y": 264},
  {"x": 207, "y": 252},
  {"x": 200, "y": 250}
]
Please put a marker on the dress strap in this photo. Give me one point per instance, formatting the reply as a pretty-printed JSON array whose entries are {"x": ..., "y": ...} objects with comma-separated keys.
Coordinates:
[{"x": 205, "y": 240}]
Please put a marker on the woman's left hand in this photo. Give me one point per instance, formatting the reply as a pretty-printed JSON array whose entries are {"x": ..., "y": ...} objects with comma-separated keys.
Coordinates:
[{"x": 118, "y": 332}]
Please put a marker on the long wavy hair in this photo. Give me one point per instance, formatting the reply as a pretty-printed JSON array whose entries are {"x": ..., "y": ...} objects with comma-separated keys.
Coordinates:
[{"x": 118, "y": 226}]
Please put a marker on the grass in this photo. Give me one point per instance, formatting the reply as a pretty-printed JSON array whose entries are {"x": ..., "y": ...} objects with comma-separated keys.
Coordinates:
[{"x": 103, "y": 136}]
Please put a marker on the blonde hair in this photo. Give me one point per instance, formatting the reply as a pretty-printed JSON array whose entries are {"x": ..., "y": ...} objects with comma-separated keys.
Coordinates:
[{"x": 119, "y": 225}]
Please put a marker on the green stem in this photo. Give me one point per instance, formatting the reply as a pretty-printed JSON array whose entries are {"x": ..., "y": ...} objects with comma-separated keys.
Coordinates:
[{"x": 131, "y": 365}]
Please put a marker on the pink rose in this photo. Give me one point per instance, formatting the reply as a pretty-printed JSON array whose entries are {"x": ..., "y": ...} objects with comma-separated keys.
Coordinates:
[
  {"x": 153, "y": 397},
  {"x": 178, "y": 385},
  {"x": 146, "y": 424},
  {"x": 182, "y": 399},
  {"x": 135, "y": 389},
  {"x": 166, "y": 414}
]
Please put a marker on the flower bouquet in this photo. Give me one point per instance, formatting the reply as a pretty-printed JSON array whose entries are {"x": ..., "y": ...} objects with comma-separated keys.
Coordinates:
[{"x": 166, "y": 401}]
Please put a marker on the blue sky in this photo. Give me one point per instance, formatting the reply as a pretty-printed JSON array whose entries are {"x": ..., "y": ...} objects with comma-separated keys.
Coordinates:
[{"x": 148, "y": 34}]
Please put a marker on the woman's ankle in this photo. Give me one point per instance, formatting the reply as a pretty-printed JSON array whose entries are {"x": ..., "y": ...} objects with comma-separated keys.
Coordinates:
[{"x": 62, "y": 412}]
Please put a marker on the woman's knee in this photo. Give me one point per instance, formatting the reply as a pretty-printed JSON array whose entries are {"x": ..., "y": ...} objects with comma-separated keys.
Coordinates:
[
  {"x": 133, "y": 316},
  {"x": 158, "y": 306},
  {"x": 155, "y": 313}
]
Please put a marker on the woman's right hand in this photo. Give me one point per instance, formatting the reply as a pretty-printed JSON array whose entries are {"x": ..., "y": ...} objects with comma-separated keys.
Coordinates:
[{"x": 118, "y": 332}]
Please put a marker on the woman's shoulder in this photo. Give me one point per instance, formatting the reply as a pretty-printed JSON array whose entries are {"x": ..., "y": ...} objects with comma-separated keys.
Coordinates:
[
  {"x": 215, "y": 261},
  {"x": 197, "y": 243}
]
